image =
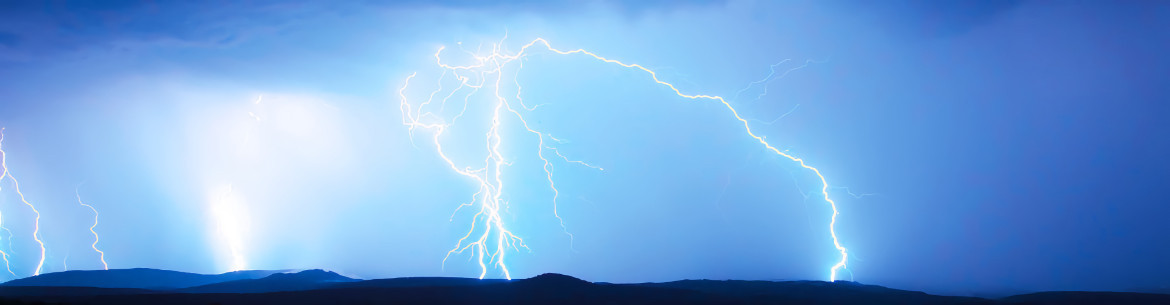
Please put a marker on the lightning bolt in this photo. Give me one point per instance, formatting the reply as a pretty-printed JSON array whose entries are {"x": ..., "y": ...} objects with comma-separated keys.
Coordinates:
[
  {"x": 37, "y": 220},
  {"x": 490, "y": 189},
  {"x": 96, "y": 238}
]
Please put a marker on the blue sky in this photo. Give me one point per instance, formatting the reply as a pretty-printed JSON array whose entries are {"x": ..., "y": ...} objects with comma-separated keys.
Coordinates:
[{"x": 1009, "y": 146}]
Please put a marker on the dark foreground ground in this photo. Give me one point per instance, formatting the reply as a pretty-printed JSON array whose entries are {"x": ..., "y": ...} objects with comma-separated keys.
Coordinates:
[{"x": 146, "y": 286}]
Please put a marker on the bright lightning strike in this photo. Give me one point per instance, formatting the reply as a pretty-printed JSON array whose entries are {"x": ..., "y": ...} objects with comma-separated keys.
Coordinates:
[
  {"x": 92, "y": 228},
  {"x": 490, "y": 244},
  {"x": 37, "y": 220}
]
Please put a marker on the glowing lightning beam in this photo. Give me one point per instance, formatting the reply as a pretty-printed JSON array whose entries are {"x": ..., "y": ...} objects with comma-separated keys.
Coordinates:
[
  {"x": 228, "y": 224},
  {"x": 228, "y": 213},
  {"x": 37, "y": 221},
  {"x": 96, "y": 238},
  {"x": 494, "y": 63}
]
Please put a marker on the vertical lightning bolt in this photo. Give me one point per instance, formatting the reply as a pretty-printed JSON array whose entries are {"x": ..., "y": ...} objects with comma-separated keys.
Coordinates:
[
  {"x": 488, "y": 176},
  {"x": 37, "y": 220},
  {"x": 92, "y": 228}
]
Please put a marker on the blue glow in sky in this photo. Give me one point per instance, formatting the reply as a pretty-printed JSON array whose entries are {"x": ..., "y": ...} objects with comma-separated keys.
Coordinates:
[{"x": 1008, "y": 146}]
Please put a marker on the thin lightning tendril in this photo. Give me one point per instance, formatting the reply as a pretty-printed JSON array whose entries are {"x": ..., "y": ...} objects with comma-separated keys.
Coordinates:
[
  {"x": 492, "y": 188},
  {"x": 582, "y": 163},
  {"x": 37, "y": 220},
  {"x": 763, "y": 83},
  {"x": 6, "y": 230},
  {"x": 92, "y": 228},
  {"x": 777, "y": 119},
  {"x": 7, "y": 265}
]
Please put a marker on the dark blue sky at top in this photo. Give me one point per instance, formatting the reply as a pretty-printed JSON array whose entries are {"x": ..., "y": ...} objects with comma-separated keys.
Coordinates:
[{"x": 1008, "y": 145}]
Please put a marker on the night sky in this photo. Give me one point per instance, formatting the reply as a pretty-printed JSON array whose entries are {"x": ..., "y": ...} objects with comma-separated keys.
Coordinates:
[{"x": 972, "y": 147}]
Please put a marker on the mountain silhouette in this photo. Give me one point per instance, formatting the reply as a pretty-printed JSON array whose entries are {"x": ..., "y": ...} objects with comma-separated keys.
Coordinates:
[
  {"x": 304, "y": 280},
  {"x": 138, "y": 278}
]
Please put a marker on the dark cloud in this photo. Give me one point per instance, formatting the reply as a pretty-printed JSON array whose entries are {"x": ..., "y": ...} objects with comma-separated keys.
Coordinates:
[
  {"x": 626, "y": 7},
  {"x": 52, "y": 28},
  {"x": 925, "y": 19},
  {"x": 40, "y": 29}
]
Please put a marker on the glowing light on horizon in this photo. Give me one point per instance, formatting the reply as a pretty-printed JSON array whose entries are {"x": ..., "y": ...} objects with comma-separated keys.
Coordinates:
[
  {"x": 229, "y": 212},
  {"x": 475, "y": 76},
  {"x": 230, "y": 217},
  {"x": 92, "y": 228},
  {"x": 36, "y": 221}
]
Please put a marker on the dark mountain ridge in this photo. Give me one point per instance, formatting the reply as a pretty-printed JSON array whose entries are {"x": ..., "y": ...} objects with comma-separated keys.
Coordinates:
[{"x": 324, "y": 287}]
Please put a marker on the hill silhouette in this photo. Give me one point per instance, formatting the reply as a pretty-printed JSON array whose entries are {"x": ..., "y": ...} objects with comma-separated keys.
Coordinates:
[
  {"x": 839, "y": 292},
  {"x": 324, "y": 287},
  {"x": 139, "y": 278},
  {"x": 1088, "y": 297}
]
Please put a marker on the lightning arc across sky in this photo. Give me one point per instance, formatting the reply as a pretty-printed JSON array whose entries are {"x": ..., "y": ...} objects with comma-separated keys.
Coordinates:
[
  {"x": 490, "y": 243},
  {"x": 36, "y": 221},
  {"x": 92, "y": 228}
]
